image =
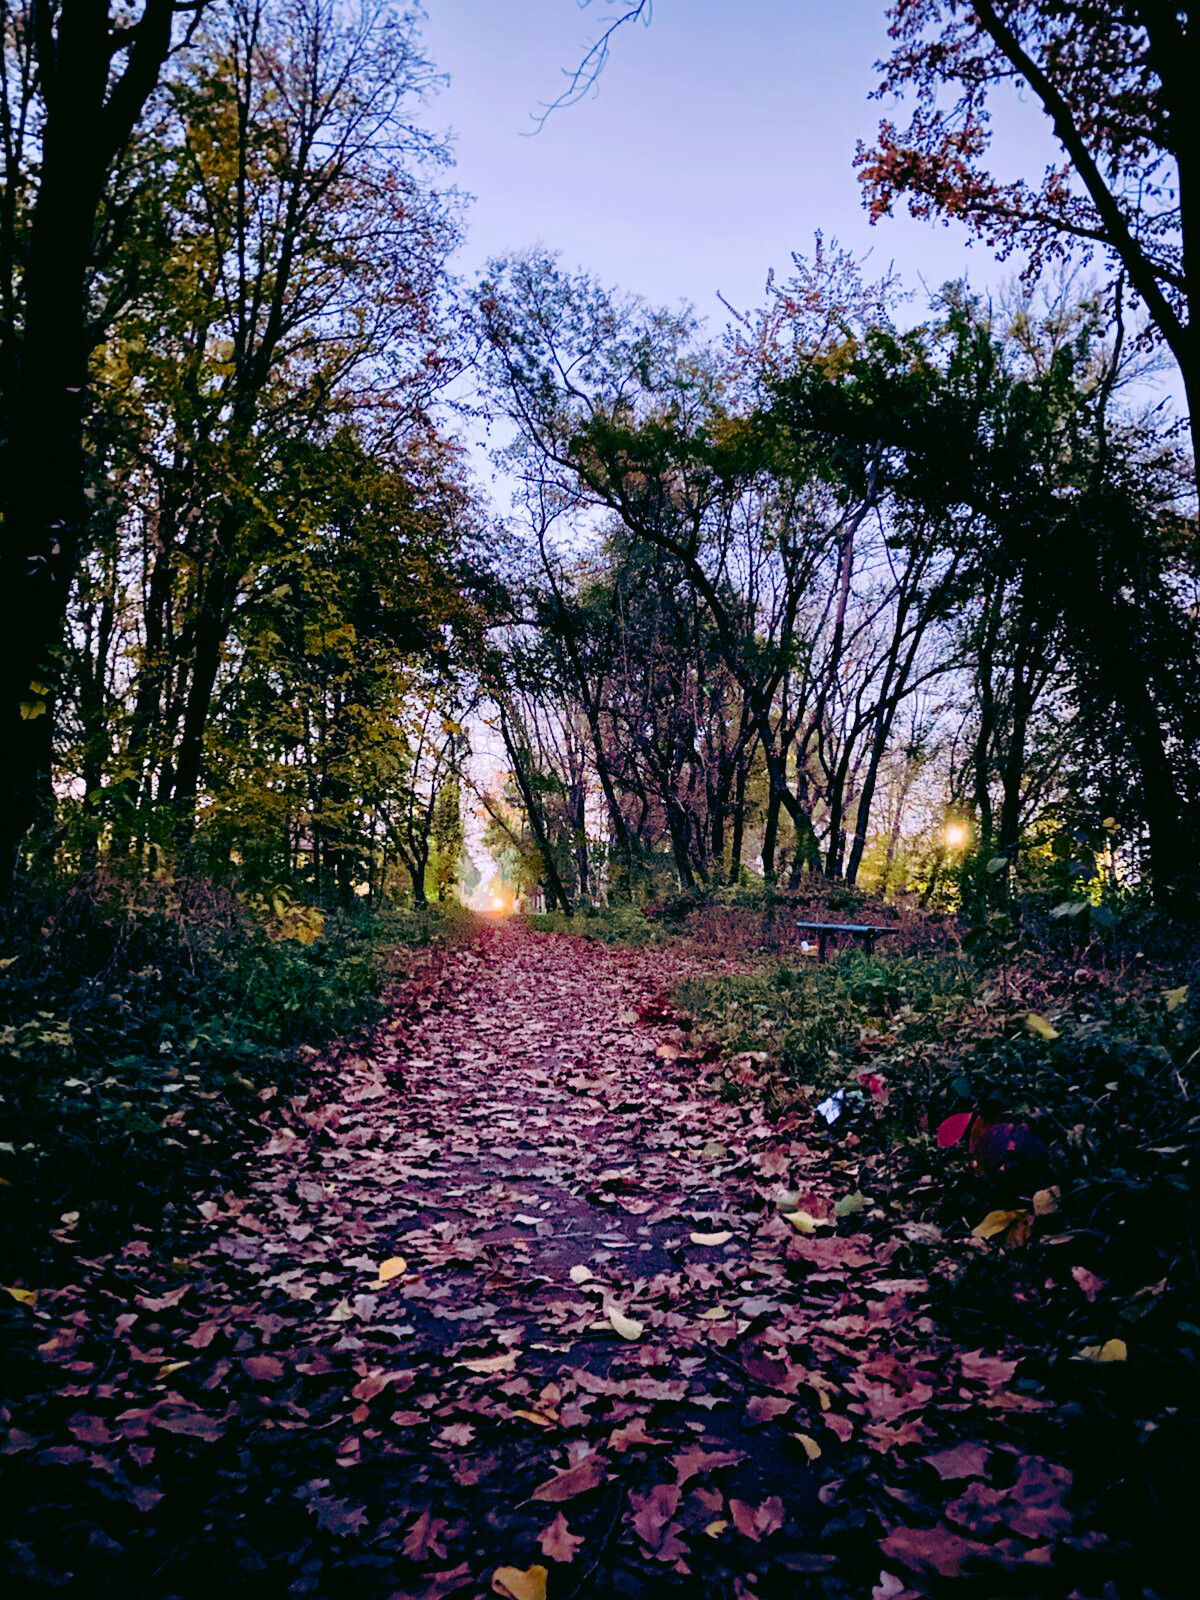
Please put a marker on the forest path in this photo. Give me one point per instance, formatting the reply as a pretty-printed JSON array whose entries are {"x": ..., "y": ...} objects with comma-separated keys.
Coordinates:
[{"x": 381, "y": 1369}]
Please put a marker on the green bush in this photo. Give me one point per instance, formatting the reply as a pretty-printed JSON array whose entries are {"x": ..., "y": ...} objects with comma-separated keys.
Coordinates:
[{"x": 140, "y": 1022}]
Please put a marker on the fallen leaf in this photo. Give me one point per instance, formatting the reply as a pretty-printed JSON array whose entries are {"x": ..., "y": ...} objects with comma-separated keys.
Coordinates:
[
  {"x": 763, "y": 1407},
  {"x": 264, "y": 1369},
  {"x": 627, "y": 1327},
  {"x": 572, "y": 1481},
  {"x": 811, "y": 1448},
  {"x": 850, "y": 1204},
  {"x": 803, "y": 1222},
  {"x": 520, "y": 1584},
  {"x": 1012, "y": 1227},
  {"x": 952, "y": 1129},
  {"x": 922, "y": 1548},
  {"x": 89, "y": 1430},
  {"x": 458, "y": 1434},
  {"x": 541, "y": 1419},
  {"x": 1110, "y": 1350},
  {"x": 722, "y": 1237},
  {"x": 756, "y": 1522},
  {"x": 653, "y": 1511},
  {"x": 558, "y": 1542},
  {"x": 1088, "y": 1282},
  {"x": 962, "y": 1461},
  {"x": 338, "y": 1517},
  {"x": 393, "y": 1267},
  {"x": 715, "y": 1529},
  {"x": 1039, "y": 1026},
  {"x": 688, "y": 1463},
  {"x": 504, "y": 1362},
  {"x": 581, "y": 1274},
  {"x": 424, "y": 1539},
  {"x": 25, "y": 1297},
  {"x": 1045, "y": 1201}
]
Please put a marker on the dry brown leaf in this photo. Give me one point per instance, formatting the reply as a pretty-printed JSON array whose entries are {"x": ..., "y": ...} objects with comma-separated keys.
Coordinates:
[
  {"x": 572, "y": 1481},
  {"x": 504, "y": 1362},
  {"x": 558, "y": 1542}
]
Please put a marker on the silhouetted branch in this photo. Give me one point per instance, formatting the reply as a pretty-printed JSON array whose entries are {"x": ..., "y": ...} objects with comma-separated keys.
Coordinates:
[{"x": 587, "y": 73}]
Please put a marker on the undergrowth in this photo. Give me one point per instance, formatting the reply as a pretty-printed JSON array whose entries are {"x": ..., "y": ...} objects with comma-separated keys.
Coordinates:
[
  {"x": 143, "y": 1023},
  {"x": 1097, "y": 1086}
]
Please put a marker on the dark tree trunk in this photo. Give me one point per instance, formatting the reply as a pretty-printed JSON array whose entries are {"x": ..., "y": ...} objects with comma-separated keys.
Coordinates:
[{"x": 89, "y": 115}]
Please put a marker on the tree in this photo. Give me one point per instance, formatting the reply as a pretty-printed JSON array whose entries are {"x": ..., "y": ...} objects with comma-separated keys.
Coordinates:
[
  {"x": 1117, "y": 81},
  {"x": 308, "y": 252},
  {"x": 75, "y": 79}
]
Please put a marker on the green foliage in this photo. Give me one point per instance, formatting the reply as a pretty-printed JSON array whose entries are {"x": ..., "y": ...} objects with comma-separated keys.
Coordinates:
[
  {"x": 813, "y": 1019},
  {"x": 142, "y": 1024},
  {"x": 615, "y": 924}
]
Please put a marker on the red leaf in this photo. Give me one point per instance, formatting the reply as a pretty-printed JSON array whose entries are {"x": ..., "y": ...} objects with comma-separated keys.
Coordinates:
[
  {"x": 584, "y": 1475},
  {"x": 922, "y": 1548},
  {"x": 424, "y": 1538},
  {"x": 765, "y": 1406},
  {"x": 653, "y": 1511},
  {"x": 89, "y": 1430},
  {"x": 963, "y": 1461},
  {"x": 952, "y": 1130},
  {"x": 757, "y": 1521},
  {"x": 264, "y": 1369},
  {"x": 558, "y": 1542},
  {"x": 693, "y": 1460}
]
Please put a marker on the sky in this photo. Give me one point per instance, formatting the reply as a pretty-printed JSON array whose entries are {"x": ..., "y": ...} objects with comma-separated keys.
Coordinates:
[{"x": 718, "y": 141}]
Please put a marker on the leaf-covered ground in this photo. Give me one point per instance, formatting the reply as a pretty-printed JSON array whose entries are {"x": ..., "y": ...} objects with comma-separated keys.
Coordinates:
[{"x": 518, "y": 1299}]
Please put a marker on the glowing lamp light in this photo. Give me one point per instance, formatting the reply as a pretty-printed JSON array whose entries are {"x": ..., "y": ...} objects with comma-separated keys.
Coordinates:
[{"x": 956, "y": 835}]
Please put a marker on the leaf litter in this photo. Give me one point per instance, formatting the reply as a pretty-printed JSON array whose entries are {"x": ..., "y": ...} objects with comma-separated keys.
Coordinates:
[{"x": 515, "y": 1252}]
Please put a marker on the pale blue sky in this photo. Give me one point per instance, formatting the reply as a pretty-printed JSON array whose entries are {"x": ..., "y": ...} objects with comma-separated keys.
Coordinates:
[{"x": 719, "y": 139}]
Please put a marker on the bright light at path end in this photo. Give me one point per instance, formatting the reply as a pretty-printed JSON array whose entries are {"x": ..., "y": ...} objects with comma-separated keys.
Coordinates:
[{"x": 956, "y": 834}]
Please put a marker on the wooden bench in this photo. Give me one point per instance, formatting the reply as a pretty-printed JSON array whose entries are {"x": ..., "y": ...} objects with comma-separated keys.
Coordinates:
[{"x": 865, "y": 932}]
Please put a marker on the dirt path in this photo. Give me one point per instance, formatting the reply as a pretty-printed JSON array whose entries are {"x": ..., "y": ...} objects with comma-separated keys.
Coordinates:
[{"x": 534, "y": 1321}]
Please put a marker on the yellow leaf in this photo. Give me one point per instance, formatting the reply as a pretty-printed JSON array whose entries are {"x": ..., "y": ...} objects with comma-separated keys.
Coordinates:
[
  {"x": 172, "y": 1366},
  {"x": 667, "y": 1052},
  {"x": 540, "y": 1419},
  {"x": 27, "y": 1297},
  {"x": 1039, "y": 1026},
  {"x": 581, "y": 1274},
  {"x": 801, "y": 1221},
  {"x": 505, "y": 1362},
  {"x": 1045, "y": 1201},
  {"x": 31, "y": 709},
  {"x": 714, "y": 1530},
  {"x": 520, "y": 1584},
  {"x": 1176, "y": 997},
  {"x": 1110, "y": 823},
  {"x": 1110, "y": 1350},
  {"x": 811, "y": 1448},
  {"x": 717, "y": 1314},
  {"x": 627, "y": 1327},
  {"x": 995, "y": 1222},
  {"x": 392, "y": 1268},
  {"x": 722, "y": 1237}
]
